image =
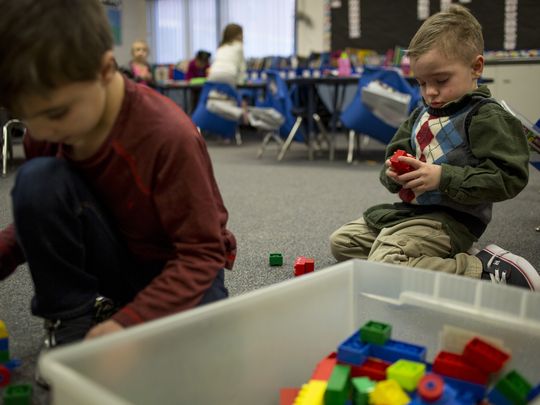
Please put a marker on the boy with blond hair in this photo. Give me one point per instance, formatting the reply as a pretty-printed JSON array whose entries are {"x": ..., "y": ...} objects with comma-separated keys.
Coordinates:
[
  {"x": 467, "y": 153},
  {"x": 117, "y": 211}
]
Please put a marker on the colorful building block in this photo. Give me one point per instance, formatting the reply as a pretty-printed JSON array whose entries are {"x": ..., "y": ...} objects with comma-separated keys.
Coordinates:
[
  {"x": 514, "y": 387},
  {"x": 310, "y": 265},
  {"x": 375, "y": 332},
  {"x": 446, "y": 395},
  {"x": 20, "y": 394},
  {"x": 397, "y": 165},
  {"x": 4, "y": 344},
  {"x": 323, "y": 369},
  {"x": 287, "y": 396},
  {"x": 339, "y": 385},
  {"x": 5, "y": 375},
  {"x": 453, "y": 365},
  {"x": 3, "y": 330},
  {"x": 394, "y": 350},
  {"x": 312, "y": 393},
  {"x": 4, "y": 356},
  {"x": 535, "y": 392},
  {"x": 372, "y": 368},
  {"x": 353, "y": 351},
  {"x": 484, "y": 356},
  {"x": 464, "y": 388},
  {"x": 276, "y": 259},
  {"x": 407, "y": 373},
  {"x": 430, "y": 387},
  {"x": 388, "y": 392},
  {"x": 299, "y": 266},
  {"x": 362, "y": 387}
]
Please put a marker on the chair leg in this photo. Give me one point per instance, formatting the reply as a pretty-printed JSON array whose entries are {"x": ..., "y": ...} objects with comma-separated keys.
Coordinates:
[
  {"x": 238, "y": 137},
  {"x": 289, "y": 139},
  {"x": 350, "y": 152},
  {"x": 323, "y": 132},
  {"x": 4, "y": 150},
  {"x": 266, "y": 140}
]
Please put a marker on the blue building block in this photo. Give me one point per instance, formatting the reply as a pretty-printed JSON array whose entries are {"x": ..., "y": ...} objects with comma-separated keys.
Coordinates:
[
  {"x": 533, "y": 393},
  {"x": 496, "y": 398},
  {"x": 4, "y": 344},
  {"x": 394, "y": 350},
  {"x": 353, "y": 351},
  {"x": 466, "y": 389}
]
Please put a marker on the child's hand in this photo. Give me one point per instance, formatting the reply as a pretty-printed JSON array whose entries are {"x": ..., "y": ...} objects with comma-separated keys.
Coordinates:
[
  {"x": 423, "y": 177},
  {"x": 390, "y": 172},
  {"x": 104, "y": 328}
]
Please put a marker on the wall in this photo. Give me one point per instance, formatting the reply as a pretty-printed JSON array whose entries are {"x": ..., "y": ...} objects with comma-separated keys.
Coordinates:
[
  {"x": 133, "y": 27},
  {"x": 310, "y": 39}
]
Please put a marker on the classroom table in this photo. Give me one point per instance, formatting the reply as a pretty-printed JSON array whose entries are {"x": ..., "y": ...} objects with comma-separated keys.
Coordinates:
[{"x": 191, "y": 91}]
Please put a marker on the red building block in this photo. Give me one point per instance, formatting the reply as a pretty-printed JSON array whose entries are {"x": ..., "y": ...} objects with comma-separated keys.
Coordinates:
[
  {"x": 372, "y": 368},
  {"x": 288, "y": 395},
  {"x": 453, "y": 365},
  {"x": 299, "y": 266},
  {"x": 431, "y": 387},
  {"x": 310, "y": 266},
  {"x": 486, "y": 357},
  {"x": 397, "y": 165},
  {"x": 323, "y": 369}
]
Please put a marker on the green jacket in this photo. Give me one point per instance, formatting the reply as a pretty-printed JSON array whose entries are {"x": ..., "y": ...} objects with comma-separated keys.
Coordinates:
[{"x": 496, "y": 169}]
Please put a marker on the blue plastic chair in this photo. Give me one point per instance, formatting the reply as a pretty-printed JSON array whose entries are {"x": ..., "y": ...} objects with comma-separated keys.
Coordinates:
[
  {"x": 207, "y": 121},
  {"x": 359, "y": 119},
  {"x": 278, "y": 96}
]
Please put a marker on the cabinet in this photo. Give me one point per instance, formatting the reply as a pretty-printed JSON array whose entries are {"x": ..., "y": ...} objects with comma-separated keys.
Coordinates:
[{"x": 518, "y": 85}]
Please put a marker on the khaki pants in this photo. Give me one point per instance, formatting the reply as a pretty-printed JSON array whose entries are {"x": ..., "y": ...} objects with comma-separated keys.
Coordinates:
[{"x": 421, "y": 243}]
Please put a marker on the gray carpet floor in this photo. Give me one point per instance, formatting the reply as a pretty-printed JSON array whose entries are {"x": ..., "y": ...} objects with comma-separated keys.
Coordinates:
[{"x": 289, "y": 207}]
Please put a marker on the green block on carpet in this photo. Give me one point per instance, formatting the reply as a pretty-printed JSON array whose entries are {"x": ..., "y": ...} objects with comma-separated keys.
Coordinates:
[{"x": 514, "y": 387}]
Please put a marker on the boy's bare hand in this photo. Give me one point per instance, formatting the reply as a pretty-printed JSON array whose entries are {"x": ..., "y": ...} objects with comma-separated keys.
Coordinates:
[
  {"x": 104, "y": 328},
  {"x": 423, "y": 177}
]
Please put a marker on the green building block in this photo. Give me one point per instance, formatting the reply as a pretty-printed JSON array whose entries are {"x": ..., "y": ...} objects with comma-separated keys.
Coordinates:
[
  {"x": 375, "y": 332},
  {"x": 362, "y": 386},
  {"x": 514, "y": 387},
  {"x": 407, "y": 373},
  {"x": 276, "y": 259},
  {"x": 339, "y": 385},
  {"x": 20, "y": 394},
  {"x": 4, "y": 356}
]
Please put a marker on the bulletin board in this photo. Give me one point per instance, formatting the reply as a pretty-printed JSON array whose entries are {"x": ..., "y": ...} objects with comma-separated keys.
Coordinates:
[
  {"x": 384, "y": 24},
  {"x": 113, "y": 9}
]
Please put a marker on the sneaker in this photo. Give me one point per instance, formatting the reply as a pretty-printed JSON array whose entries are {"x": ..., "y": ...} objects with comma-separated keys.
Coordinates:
[
  {"x": 502, "y": 267},
  {"x": 60, "y": 332}
]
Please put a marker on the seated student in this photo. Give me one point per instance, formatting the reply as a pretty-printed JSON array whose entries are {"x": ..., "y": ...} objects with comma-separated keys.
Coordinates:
[
  {"x": 229, "y": 66},
  {"x": 199, "y": 65},
  {"x": 468, "y": 153},
  {"x": 117, "y": 211},
  {"x": 139, "y": 66}
]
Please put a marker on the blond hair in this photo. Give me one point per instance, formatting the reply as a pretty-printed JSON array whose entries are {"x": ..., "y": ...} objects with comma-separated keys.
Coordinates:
[{"x": 455, "y": 32}]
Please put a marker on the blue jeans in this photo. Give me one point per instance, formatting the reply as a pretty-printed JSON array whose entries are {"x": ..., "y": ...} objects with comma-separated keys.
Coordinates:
[{"x": 72, "y": 249}]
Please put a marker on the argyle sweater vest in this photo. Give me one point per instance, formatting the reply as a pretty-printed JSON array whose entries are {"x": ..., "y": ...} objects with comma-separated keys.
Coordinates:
[{"x": 442, "y": 139}]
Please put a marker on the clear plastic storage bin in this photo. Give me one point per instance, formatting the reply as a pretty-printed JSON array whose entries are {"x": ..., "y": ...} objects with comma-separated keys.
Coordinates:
[{"x": 244, "y": 349}]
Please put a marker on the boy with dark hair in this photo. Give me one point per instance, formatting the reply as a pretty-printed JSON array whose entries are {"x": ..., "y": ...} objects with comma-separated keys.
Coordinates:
[
  {"x": 467, "y": 153},
  {"x": 118, "y": 198}
]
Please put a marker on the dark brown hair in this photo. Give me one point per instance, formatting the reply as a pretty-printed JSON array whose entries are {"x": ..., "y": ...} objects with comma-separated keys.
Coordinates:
[
  {"x": 44, "y": 44},
  {"x": 231, "y": 33},
  {"x": 456, "y": 32}
]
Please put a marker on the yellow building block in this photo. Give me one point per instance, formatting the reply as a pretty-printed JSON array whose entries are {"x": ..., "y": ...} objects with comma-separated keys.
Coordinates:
[
  {"x": 388, "y": 392},
  {"x": 3, "y": 330},
  {"x": 311, "y": 393},
  {"x": 406, "y": 373}
]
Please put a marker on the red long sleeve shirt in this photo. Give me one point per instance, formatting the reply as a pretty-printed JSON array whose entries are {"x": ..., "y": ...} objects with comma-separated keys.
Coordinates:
[{"x": 154, "y": 175}]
